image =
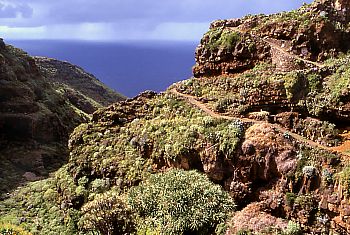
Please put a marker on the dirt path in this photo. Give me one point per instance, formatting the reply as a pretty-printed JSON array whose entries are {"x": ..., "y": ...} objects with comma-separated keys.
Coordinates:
[
  {"x": 279, "y": 48},
  {"x": 345, "y": 147},
  {"x": 282, "y": 50},
  {"x": 192, "y": 100}
]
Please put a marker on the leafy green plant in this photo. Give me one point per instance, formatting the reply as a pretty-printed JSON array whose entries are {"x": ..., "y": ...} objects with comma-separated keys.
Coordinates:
[
  {"x": 244, "y": 232},
  {"x": 220, "y": 38},
  {"x": 344, "y": 177},
  {"x": 10, "y": 229},
  {"x": 290, "y": 198},
  {"x": 107, "y": 214},
  {"x": 293, "y": 229},
  {"x": 314, "y": 81},
  {"x": 290, "y": 83},
  {"x": 180, "y": 202}
]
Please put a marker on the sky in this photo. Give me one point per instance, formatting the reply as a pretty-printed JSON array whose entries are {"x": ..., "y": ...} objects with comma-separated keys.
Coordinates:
[{"x": 113, "y": 20}]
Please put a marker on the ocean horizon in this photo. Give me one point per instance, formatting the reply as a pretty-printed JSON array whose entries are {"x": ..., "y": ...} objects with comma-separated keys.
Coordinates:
[{"x": 128, "y": 67}]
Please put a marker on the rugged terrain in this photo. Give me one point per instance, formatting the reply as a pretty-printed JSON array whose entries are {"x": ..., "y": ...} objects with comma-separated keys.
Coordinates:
[
  {"x": 83, "y": 90},
  {"x": 38, "y": 111},
  {"x": 266, "y": 118}
]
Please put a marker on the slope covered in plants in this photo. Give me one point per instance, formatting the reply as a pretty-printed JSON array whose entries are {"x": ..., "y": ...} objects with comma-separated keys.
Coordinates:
[
  {"x": 256, "y": 143},
  {"x": 37, "y": 114}
]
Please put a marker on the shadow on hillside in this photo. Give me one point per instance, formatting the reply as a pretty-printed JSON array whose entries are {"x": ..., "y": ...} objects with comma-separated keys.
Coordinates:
[{"x": 21, "y": 163}]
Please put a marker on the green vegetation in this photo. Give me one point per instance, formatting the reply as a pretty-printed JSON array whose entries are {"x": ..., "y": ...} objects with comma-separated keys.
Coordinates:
[
  {"x": 108, "y": 158},
  {"x": 131, "y": 169},
  {"x": 292, "y": 229},
  {"x": 335, "y": 87},
  {"x": 37, "y": 207},
  {"x": 301, "y": 19},
  {"x": 291, "y": 84},
  {"x": 315, "y": 82},
  {"x": 290, "y": 198},
  {"x": 339, "y": 84},
  {"x": 180, "y": 202},
  {"x": 308, "y": 162},
  {"x": 107, "y": 214},
  {"x": 222, "y": 39},
  {"x": 9, "y": 229},
  {"x": 344, "y": 178}
]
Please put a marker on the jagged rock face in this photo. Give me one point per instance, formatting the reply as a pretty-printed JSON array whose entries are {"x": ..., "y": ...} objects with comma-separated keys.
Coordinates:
[
  {"x": 314, "y": 32},
  {"x": 28, "y": 102},
  {"x": 241, "y": 52},
  {"x": 275, "y": 63}
]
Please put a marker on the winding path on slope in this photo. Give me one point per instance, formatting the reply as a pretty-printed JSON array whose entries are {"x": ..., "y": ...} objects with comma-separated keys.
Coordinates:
[
  {"x": 193, "y": 101},
  {"x": 284, "y": 51},
  {"x": 278, "y": 47},
  {"x": 345, "y": 147}
]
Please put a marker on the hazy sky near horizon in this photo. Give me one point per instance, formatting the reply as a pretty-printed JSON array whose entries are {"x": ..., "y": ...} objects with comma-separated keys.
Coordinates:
[{"x": 109, "y": 20}]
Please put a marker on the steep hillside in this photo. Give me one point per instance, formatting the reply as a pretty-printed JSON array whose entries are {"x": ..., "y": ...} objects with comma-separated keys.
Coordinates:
[
  {"x": 37, "y": 115},
  {"x": 264, "y": 123},
  {"x": 82, "y": 89}
]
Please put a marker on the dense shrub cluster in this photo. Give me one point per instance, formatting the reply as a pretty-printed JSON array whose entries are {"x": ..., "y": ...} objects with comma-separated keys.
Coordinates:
[
  {"x": 107, "y": 214},
  {"x": 180, "y": 202},
  {"x": 222, "y": 39}
]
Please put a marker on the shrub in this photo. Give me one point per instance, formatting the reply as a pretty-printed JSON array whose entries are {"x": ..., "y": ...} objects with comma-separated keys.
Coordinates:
[
  {"x": 9, "y": 229},
  {"x": 222, "y": 105},
  {"x": 229, "y": 39},
  {"x": 219, "y": 38},
  {"x": 179, "y": 202},
  {"x": 108, "y": 214},
  {"x": 314, "y": 82},
  {"x": 309, "y": 171},
  {"x": 290, "y": 198},
  {"x": 292, "y": 229},
  {"x": 344, "y": 178},
  {"x": 291, "y": 84}
]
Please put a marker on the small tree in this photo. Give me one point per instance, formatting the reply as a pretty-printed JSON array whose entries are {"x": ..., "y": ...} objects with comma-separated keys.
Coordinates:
[
  {"x": 107, "y": 214},
  {"x": 179, "y": 202}
]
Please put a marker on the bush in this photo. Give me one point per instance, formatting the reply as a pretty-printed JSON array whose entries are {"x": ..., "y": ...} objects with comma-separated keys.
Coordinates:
[
  {"x": 179, "y": 202},
  {"x": 9, "y": 229},
  {"x": 219, "y": 38},
  {"x": 292, "y": 229},
  {"x": 108, "y": 214},
  {"x": 344, "y": 178}
]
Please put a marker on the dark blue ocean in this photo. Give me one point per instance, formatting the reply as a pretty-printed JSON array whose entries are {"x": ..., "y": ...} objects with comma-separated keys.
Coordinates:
[{"x": 127, "y": 67}]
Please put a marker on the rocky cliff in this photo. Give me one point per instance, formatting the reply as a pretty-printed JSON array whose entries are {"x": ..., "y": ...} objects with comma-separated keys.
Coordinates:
[
  {"x": 37, "y": 113},
  {"x": 266, "y": 117}
]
